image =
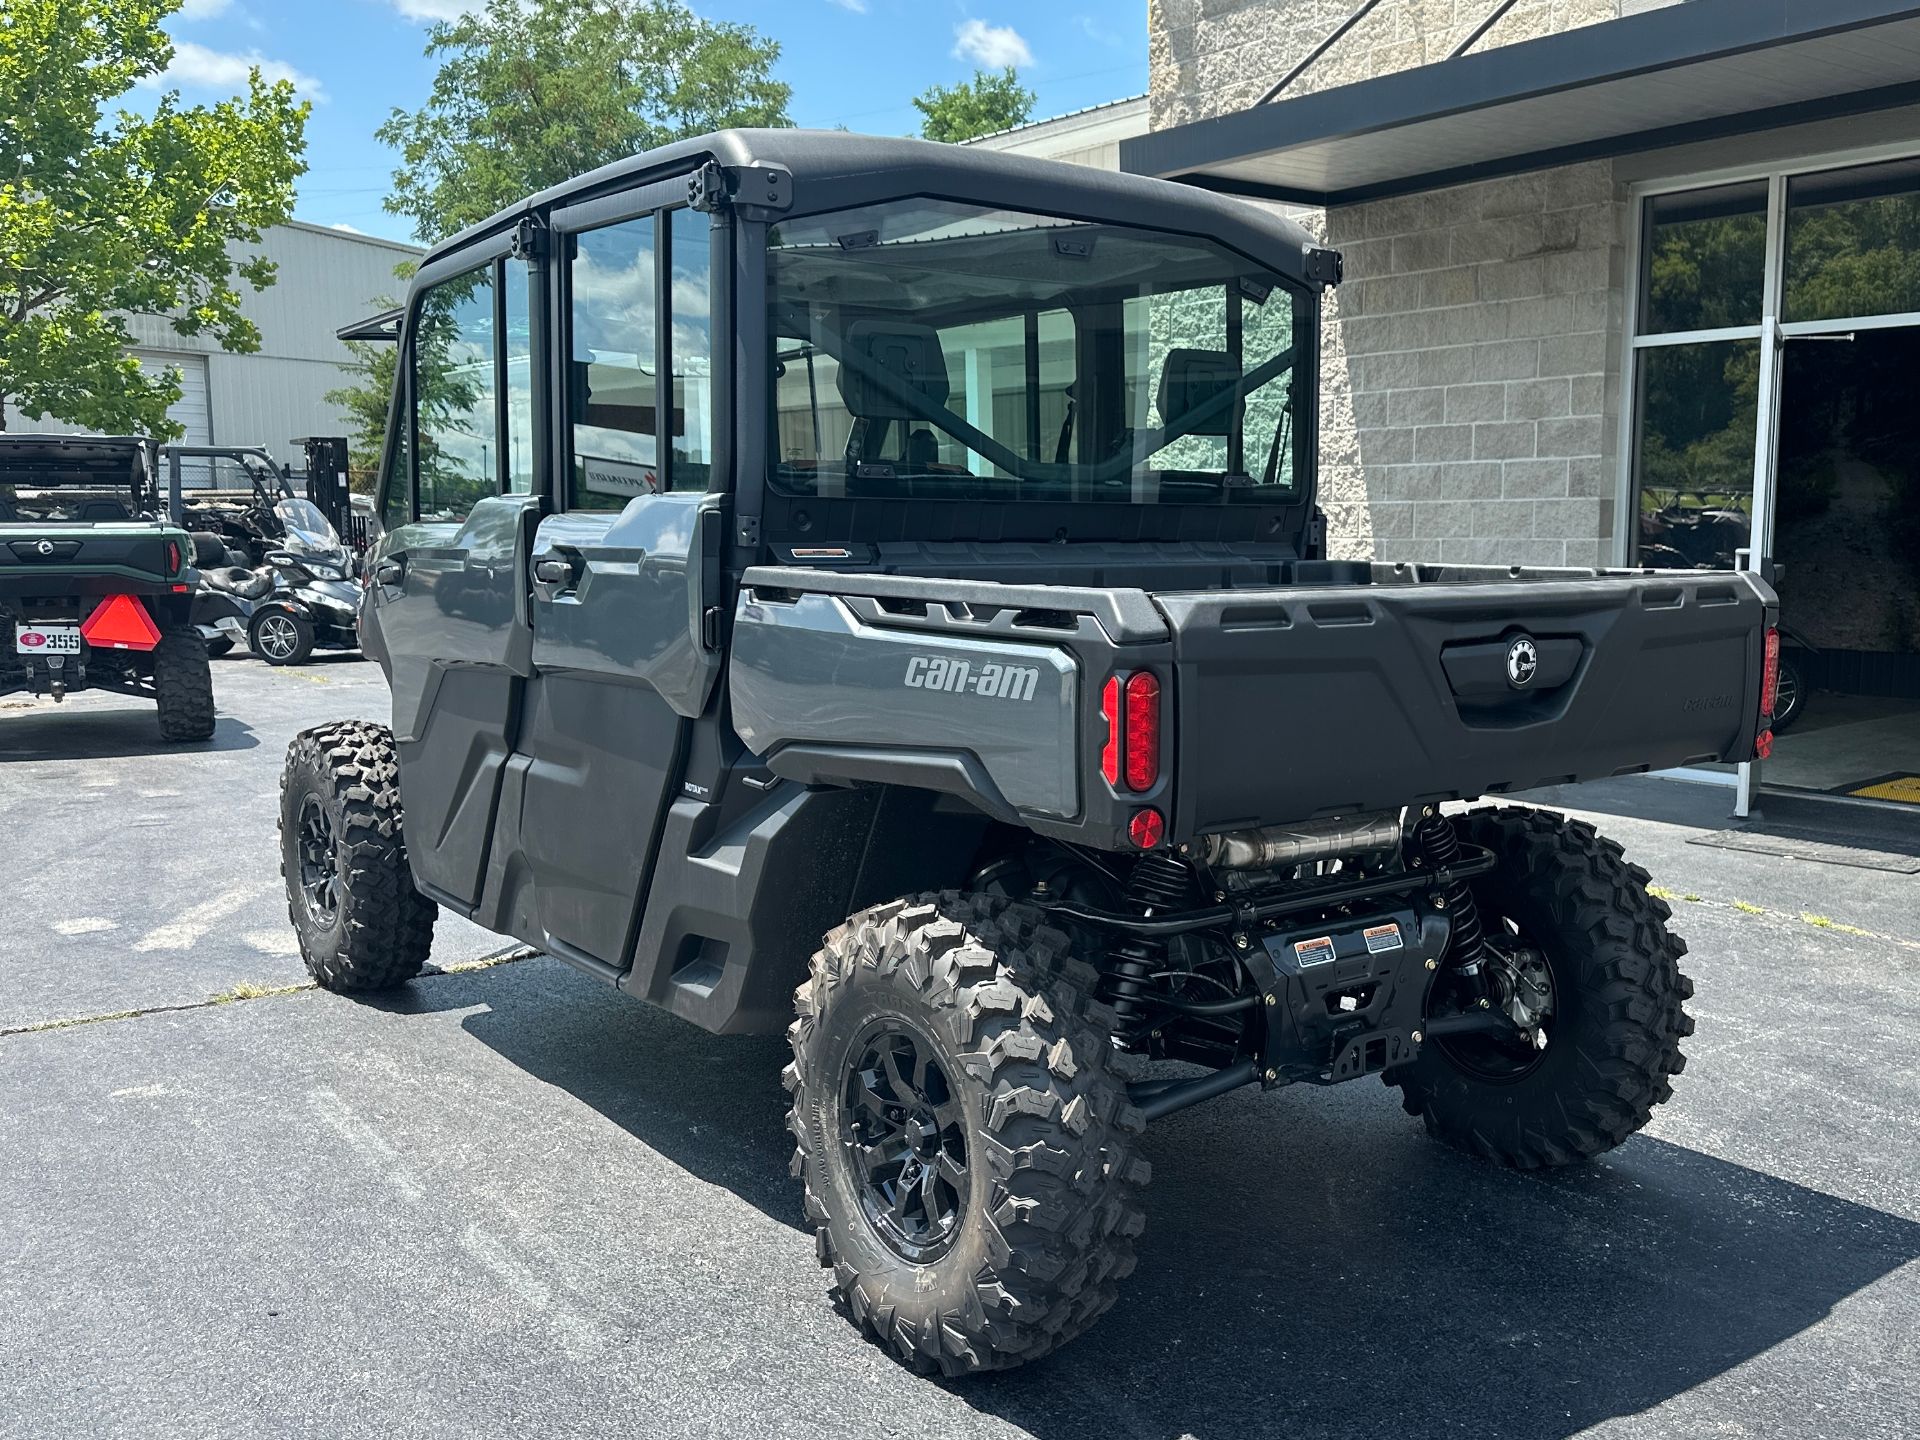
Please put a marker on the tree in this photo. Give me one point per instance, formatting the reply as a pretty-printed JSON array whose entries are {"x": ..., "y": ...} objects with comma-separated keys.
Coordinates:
[
  {"x": 364, "y": 407},
  {"x": 103, "y": 217},
  {"x": 979, "y": 106},
  {"x": 532, "y": 92}
]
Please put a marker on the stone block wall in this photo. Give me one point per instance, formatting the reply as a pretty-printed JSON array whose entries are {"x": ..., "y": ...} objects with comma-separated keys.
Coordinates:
[
  {"x": 1470, "y": 374},
  {"x": 1479, "y": 329}
]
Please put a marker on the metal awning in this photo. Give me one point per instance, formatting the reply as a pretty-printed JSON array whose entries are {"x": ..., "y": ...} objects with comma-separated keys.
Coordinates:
[
  {"x": 1689, "y": 72},
  {"x": 384, "y": 326}
]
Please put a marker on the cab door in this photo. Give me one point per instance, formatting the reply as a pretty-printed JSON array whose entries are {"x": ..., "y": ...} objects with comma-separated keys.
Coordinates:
[
  {"x": 446, "y": 603},
  {"x": 618, "y": 666}
]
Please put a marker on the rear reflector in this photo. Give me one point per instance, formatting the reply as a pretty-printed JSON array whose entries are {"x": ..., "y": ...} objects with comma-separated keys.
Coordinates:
[
  {"x": 1143, "y": 730},
  {"x": 1763, "y": 746},
  {"x": 1110, "y": 712},
  {"x": 1770, "y": 674},
  {"x": 1147, "y": 829},
  {"x": 120, "y": 622}
]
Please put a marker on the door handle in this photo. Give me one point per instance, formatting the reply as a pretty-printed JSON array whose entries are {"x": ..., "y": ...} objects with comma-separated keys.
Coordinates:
[
  {"x": 556, "y": 571},
  {"x": 390, "y": 572}
]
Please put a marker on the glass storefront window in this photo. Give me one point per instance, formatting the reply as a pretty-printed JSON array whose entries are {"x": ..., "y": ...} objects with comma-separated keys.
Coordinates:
[
  {"x": 1694, "y": 460},
  {"x": 1853, "y": 242},
  {"x": 1705, "y": 266}
]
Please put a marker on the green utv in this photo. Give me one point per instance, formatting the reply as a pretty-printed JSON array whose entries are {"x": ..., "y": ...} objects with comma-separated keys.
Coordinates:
[
  {"x": 96, "y": 583},
  {"x": 875, "y": 590}
]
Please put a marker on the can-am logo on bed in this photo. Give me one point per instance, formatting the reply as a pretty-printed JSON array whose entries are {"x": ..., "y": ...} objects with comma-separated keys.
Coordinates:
[
  {"x": 1523, "y": 661},
  {"x": 990, "y": 681}
]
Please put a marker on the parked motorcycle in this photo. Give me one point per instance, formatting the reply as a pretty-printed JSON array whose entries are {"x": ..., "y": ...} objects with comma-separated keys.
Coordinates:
[{"x": 314, "y": 603}]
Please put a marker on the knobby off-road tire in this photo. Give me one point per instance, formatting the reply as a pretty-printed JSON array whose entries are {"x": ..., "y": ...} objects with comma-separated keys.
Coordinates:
[
  {"x": 183, "y": 685},
  {"x": 340, "y": 802},
  {"x": 1051, "y": 1201},
  {"x": 1614, "y": 1035}
]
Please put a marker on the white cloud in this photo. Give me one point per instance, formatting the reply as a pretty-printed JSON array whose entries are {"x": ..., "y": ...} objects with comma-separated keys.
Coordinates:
[
  {"x": 204, "y": 9},
  {"x": 994, "y": 46},
  {"x": 1097, "y": 32},
  {"x": 196, "y": 66},
  {"x": 437, "y": 9},
  {"x": 858, "y": 7}
]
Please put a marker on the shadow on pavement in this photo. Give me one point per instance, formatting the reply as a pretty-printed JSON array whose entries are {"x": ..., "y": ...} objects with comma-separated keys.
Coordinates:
[
  {"x": 48, "y": 732},
  {"x": 1313, "y": 1264}
]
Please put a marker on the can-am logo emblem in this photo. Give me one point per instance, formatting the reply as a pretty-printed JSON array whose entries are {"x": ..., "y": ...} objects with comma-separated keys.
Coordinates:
[
  {"x": 45, "y": 547},
  {"x": 990, "y": 681},
  {"x": 1523, "y": 661}
]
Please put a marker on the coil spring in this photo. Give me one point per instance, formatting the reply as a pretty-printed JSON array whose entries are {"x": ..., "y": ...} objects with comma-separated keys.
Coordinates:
[
  {"x": 1439, "y": 846},
  {"x": 1158, "y": 882}
]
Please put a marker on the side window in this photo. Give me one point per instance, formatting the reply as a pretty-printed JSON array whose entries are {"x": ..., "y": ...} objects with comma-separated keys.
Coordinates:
[
  {"x": 613, "y": 367},
  {"x": 691, "y": 351},
  {"x": 519, "y": 380},
  {"x": 396, "y": 486},
  {"x": 455, "y": 396}
]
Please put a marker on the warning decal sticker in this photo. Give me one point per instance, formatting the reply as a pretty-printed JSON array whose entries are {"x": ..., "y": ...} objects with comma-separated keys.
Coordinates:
[
  {"x": 1383, "y": 937},
  {"x": 1317, "y": 951}
]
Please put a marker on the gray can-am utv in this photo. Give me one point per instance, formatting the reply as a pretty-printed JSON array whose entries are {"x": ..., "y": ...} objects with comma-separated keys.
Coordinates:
[{"x": 875, "y": 590}]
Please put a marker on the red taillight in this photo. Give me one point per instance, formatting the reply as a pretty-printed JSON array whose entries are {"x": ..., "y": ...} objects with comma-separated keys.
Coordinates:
[
  {"x": 1143, "y": 730},
  {"x": 173, "y": 558},
  {"x": 1110, "y": 712},
  {"x": 1130, "y": 704},
  {"x": 1147, "y": 829},
  {"x": 1770, "y": 674}
]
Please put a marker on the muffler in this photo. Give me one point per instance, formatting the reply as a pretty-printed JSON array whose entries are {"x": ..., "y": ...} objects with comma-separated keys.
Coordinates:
[{"x": 1275, "y": 847}]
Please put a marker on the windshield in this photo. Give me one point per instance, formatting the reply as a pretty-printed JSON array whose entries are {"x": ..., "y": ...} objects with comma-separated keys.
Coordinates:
[
  {"x": 309, "y": 532},
  {"x": 930, "y": 349}
]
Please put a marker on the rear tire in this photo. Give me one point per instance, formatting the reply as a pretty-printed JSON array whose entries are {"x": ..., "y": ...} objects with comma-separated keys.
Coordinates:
[
  {"x": 280, "y": 637},
  {"x": 361, "y": 924},
  {"x": 183, "y": 686},
  {"x": 1001, "y": 1094},
  {"x": 1613, "y": 1037},
  {"x": 1791, "y": 696}
]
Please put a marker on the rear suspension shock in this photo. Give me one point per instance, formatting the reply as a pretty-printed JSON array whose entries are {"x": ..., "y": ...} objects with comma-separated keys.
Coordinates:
[
  {"x": 1438, "y": 845},
  {"x": 1159, "y": 882}
]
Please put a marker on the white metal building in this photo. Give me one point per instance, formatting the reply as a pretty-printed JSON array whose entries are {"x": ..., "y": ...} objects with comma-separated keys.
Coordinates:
[{"x": 326, "y": 278}]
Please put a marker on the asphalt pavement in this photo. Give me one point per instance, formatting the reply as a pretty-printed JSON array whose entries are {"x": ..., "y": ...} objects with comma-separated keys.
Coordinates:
[{"x": 507, "y": 1201}]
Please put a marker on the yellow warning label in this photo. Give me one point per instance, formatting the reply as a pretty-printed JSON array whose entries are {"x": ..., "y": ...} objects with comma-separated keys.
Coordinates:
[{"x": 1902, "y": 788}]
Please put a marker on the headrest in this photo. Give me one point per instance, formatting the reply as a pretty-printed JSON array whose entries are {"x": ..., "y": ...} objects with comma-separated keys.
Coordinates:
[
  {"x": 909, "y": 354},
  {"x": 1189, "y": 379}
]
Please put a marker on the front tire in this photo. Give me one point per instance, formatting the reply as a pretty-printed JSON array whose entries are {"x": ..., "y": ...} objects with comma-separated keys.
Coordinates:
[
  {"x": 183, "y": 686},
  {"x": 361, "y": 924},
  {"x": 967, "y": 1156},
  {"x": 280, "y": 637},
  {"x": 1616, "y": 1019}
]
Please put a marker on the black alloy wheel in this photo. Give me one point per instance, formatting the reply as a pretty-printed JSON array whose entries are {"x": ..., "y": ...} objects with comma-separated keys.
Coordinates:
[
  {"x": 906, "y": 1139},
  {"x": 319, "y": 863}
]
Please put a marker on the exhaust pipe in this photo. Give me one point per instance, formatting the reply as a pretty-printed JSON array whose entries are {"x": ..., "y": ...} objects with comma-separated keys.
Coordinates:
[{"x": 1276, "y": 847}]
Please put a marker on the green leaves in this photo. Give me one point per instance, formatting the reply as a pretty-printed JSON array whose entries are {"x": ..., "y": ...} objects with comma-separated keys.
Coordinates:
[
  {"x": 980, "y": 106},
  {"x": 533, "y": 92},
  {"x": 105, "y": 215}
]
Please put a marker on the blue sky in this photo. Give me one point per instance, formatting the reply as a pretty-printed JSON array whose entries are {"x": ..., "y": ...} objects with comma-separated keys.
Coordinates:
[{"x": 852, "y": 62}]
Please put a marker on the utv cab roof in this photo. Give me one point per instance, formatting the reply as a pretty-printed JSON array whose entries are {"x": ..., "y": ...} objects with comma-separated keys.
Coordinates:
[
  {"x": 73, "y": 459},
  {"x": 781, "y": 173}
]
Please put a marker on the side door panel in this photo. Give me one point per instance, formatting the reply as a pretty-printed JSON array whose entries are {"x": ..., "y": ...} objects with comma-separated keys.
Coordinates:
[
  {"x": 618, "y": 580},
  {"x": 459, "y": 665}
]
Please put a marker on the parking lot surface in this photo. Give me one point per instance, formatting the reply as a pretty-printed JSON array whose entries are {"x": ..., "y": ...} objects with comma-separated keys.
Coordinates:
[{"x": 508, "y": 1201}]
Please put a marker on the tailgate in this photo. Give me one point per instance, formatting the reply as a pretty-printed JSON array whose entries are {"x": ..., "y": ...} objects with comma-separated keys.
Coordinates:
[
  {"x": 78, "y": 559},
  {"x": 1298, "y": 703}
]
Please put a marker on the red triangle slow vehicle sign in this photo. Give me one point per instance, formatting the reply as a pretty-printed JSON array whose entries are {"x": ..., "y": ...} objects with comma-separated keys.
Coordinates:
[{"x": 120, "y": 622}]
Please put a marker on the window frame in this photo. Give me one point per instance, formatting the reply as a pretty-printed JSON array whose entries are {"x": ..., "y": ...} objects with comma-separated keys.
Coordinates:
[
  {"x": 653, "y": 200},
  {"x": 493, "y": 254}
]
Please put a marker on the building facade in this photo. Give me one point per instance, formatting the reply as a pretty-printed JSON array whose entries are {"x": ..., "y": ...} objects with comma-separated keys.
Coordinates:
[
  {"x": 326, "y": 278},
  {"x": 1627, "y": 281}
]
